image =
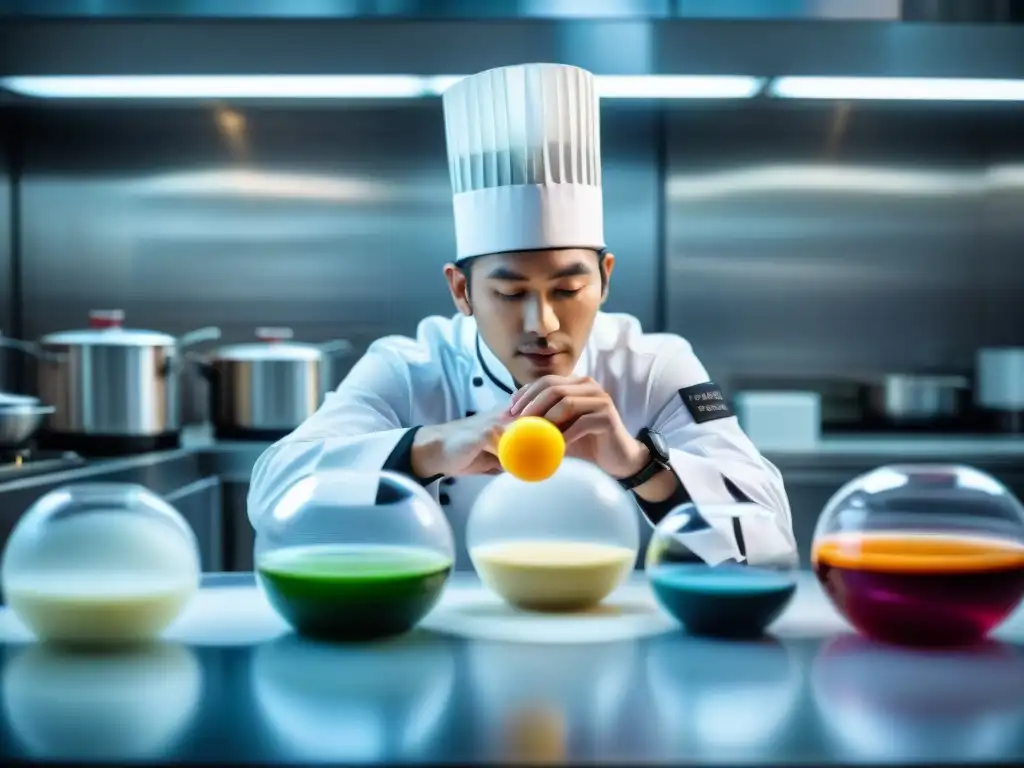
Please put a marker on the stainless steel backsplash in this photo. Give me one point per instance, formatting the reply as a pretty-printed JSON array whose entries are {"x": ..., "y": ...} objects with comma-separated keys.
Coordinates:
[
  {"x": 779, "y": 238},
  {"x": 828, "y": 240},
  {"x": 335, "y": 223},
  {"x": 8, "y": 360}
]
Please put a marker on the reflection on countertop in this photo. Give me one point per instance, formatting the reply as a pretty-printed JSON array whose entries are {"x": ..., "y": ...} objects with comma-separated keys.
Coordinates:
[
  {"x": 380, "y": 702},
  {"x": 724, "y": 700},
  {"x": 883, "y": 703},
  {"x": 131, "y": 704},
  {"x": 811, "y": 693}
]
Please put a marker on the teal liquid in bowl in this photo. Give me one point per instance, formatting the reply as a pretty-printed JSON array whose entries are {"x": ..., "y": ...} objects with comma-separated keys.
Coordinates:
[
  {"x": 729, "y": 600},
  {"x": 353, "y": 592}
]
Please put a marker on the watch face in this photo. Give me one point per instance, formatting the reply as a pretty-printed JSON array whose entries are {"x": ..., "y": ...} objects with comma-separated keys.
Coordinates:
[{"x": 659, "y": 445}]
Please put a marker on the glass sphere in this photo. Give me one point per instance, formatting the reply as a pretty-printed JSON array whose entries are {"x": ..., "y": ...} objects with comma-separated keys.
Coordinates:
[
  {"x": 348, "y": 555},
  {"x": 922, "y": 554},
  {"x": 700, "y": 576},
  {"x": 100, "y": 563},
  {"x": 561, "y": 544}
]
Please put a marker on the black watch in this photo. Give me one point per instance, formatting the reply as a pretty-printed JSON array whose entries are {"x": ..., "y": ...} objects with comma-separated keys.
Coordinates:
[{"x": 658, "y": 449}]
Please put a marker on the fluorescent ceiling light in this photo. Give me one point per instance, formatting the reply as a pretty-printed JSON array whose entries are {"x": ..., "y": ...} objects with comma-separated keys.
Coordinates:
[
  {"x": 217, "y": 86},
  {"x": 348, "y": 86},
  {"x": 898, "y": 88},
  {"x": 678, "y": 86}
]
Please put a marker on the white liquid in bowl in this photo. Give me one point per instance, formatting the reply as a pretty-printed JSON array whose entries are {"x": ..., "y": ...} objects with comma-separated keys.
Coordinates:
[
  {"x": 552, "y": 575},
  {"x": 98, "y": 608},
  {"x": 99, "y": 576}
]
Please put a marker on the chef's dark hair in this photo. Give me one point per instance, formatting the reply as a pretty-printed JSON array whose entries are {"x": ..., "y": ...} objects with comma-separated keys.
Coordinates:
[{"x": 466, "y": 267}]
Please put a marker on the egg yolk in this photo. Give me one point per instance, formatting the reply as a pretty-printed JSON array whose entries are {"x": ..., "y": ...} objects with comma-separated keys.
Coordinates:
[{"x": 531, "y": 448}]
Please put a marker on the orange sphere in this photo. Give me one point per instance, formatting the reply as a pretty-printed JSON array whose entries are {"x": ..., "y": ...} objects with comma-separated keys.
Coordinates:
[{"x": 531, "y": 448}]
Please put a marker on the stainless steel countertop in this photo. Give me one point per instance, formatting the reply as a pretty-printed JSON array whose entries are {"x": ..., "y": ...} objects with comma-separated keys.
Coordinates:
[
  {"x": 880, "y": 448},
  {"x": 480, "y": 683}
]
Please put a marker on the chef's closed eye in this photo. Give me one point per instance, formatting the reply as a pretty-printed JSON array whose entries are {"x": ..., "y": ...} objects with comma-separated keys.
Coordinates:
[{"x": 556, "y": 293}]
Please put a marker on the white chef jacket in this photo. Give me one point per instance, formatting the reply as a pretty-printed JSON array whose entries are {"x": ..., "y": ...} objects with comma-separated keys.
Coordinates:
[{"x": 447, "y": 372}]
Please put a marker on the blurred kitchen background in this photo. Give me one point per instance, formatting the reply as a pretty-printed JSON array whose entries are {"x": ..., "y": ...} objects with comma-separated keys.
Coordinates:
[{"x": 838, "y": 251}]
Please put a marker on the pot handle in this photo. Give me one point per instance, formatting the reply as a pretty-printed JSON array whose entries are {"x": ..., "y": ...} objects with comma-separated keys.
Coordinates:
[
  {"x": 30, "y": 348},
  {"x": 210, "y": 333},
  {"x": 336, "y": 348},
  {"x": 175, "y": 366}
]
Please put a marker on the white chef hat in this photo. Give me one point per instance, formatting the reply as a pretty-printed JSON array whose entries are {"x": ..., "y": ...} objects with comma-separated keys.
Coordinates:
[{"x": 524, "y": 154}]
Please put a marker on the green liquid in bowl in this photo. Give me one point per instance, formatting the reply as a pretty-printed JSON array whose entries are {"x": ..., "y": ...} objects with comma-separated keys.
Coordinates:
[{"x": 353, "y": 592}]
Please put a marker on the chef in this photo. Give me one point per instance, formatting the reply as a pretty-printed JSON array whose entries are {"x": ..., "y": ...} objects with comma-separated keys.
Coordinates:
[{"x": 528, "y": 279}]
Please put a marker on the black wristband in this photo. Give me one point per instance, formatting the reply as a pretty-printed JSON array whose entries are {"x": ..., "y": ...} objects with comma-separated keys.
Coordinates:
[
  {"x": 649, "y": 470},
  {"x": 400, "y": 459}
]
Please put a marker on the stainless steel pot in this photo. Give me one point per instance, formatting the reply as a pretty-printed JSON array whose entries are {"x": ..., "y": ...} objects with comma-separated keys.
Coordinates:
[
  {"x": 266, "y": 389},
  {"x": 115, "y": 390},
  {"x": 917, "y": 398}
]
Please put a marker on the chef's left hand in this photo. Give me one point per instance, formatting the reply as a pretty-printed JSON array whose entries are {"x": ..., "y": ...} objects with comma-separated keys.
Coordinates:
[{"x": 587, "y": 417}]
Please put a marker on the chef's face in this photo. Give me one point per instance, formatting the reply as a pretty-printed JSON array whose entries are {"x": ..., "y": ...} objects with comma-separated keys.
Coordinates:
[{"x": 534, "y": 309}]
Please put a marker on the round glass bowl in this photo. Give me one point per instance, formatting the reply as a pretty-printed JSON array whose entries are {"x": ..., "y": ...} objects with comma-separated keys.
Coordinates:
[
  {"x": 100, "y": 563},
  {"x": 561, "y": 544},
  {"x": 922, "y": 554},
  {"x": 354, "y": 555},
  {"x": 700, "y": 576}
]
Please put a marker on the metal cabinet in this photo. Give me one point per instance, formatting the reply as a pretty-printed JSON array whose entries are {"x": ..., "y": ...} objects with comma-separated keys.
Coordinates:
[
  {"x": 237, "y": 528},
  {"x": 201, "y": 504}
]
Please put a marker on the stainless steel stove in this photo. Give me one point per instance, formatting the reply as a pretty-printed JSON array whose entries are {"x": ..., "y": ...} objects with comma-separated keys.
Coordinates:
[{"x": 17, "y": 465}]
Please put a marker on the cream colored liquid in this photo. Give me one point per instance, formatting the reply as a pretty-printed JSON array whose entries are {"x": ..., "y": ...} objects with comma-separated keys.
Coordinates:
[
  {"x": 552, "y": 575},
  {"x": 97, "y": 609}
]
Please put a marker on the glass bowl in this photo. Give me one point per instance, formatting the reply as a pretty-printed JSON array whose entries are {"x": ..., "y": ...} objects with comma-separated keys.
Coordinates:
[
  {"x": 922, "y": 554},
  {"x": 99, "y": 563},
  {"x": 700, "y": 576},
  {"x": 561, "y": 544},
  {"x": 349, "y": 555}
]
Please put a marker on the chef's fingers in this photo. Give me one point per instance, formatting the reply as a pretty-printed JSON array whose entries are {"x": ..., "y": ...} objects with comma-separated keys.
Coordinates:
[
  {"x": 490, "y": 439},
  {"x": 589, "y": 424},
  {"x": 570, "y": 409},
  {"x": 484, "y": 464},
  {"x": 531, "y": 390},
  {"x": 547, "y": 399}
]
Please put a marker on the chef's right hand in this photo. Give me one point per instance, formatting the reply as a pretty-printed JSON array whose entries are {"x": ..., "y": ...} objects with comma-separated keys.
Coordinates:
[{"x": 466, "y": 446}]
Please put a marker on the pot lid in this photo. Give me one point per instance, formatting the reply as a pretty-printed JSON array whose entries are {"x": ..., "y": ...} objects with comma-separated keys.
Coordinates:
[
  {"x": 9, "y": 399},
  {"x": 273, "y": 344},
  {"x": 106, "y": 327}
]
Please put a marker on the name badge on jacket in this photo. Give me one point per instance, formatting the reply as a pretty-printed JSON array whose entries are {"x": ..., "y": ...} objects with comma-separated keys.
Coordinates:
[{"x": 705, "y": 402}]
